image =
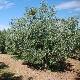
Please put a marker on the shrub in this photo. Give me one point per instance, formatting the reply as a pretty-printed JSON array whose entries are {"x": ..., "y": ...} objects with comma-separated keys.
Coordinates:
[{"x": 39, "y": 37}]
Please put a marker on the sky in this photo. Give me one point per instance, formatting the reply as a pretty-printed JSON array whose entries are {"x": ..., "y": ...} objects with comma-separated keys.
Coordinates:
[{"x": 10, "y": 9}]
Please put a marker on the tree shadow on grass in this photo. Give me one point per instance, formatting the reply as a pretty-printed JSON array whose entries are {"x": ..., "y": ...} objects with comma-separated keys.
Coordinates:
[
  {"x": 75, "y": 57},
  {"x": 30, "y": 78},
  {"x": 59, "y": 67},
  {"x": 3, "y": 65},
  {"x": 33, "y": 66},
  {"x": 78, "y": 76},
  {"x": 10, "y": 76}
]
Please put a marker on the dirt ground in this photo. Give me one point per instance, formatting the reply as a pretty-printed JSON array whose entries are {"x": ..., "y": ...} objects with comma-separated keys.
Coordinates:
[{"x": 30, "y": 74}]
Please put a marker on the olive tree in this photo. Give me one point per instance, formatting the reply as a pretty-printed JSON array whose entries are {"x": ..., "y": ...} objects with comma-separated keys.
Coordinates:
[{"x": 42, "y": 39}]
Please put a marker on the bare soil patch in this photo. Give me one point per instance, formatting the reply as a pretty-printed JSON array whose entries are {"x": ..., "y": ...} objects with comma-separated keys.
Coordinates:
[{"x": 15, "y": 66}]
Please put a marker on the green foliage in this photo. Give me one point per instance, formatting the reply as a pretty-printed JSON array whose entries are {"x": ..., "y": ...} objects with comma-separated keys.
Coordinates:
[
  {"x": 40, "y": 38},
  {"x": 2, "y": 41}
]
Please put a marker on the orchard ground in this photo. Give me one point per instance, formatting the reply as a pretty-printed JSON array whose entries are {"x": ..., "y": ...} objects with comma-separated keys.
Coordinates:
[{"x": 26, "y": 73}]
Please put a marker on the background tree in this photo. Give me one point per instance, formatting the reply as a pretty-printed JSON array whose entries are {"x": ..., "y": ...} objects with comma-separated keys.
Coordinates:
[{"x": 2, "y": 41}]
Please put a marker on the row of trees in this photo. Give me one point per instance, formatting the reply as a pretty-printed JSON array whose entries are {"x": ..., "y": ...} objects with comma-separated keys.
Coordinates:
[{"x": 39, "y": 37}]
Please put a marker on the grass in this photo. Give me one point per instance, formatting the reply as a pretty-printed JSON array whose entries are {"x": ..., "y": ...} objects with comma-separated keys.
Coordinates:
[{"x": 6, "y": 75}]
